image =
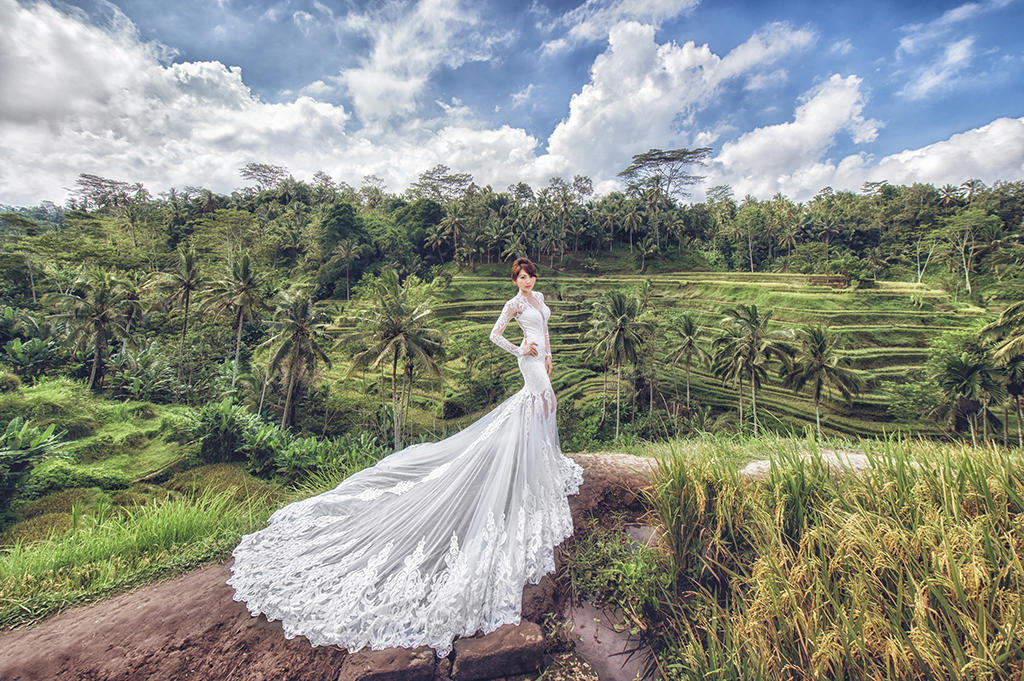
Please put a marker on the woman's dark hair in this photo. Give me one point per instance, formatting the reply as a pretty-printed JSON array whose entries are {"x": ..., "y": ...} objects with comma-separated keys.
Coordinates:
[{"x": 523, "y": 265}]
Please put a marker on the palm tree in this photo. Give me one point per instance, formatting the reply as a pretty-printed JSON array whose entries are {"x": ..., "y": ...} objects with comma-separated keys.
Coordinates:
[
  {"x": 632, "y": 221},
  {"x": 95, "y": 312},
  {"x": 399, "y": 326},
  {"x": 300, "y": 332},
  {"x": 617, "y": 334},
  {"x": 749, "y": 346},
  {"x": 817, "y": 364},
  {"x": 452, "y": 225},
  {"x": 687, "y": 334},
  {"x": 349, "y": 250},
  {"x": 180, "y": 286},
  {"x": 1009, "y": 330},
  {"x": 1013, "y": 374},
  {"x": 969, "y": 383},
  {"x": 240, "y": 293}
]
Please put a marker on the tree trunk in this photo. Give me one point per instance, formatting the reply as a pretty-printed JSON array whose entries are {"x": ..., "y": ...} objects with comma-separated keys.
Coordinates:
[
  {"x": 394, "y": 397},
  {"x": 740, "y": 393},
  {"x": 1020, "y": 423},
  {"x": 687, "y": 384},
  {"x": 184, "y": 328},
  {"x": 95, "y": 362},
  {"x": 285, "y": 420},
  {"x": 238, "y": 349},
  {"x": 753, "y": 401},
  {"x": 817, "y": 416},
  {"x": 266, "y": 381},
  {"x": 970, "y": 422},
  {"x": 31, "y": 279},
  {"x": 618, "y": 399}
]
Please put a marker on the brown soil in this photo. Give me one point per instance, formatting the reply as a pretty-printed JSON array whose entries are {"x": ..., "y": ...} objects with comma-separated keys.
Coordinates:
[{"x": 190, "y": 627}]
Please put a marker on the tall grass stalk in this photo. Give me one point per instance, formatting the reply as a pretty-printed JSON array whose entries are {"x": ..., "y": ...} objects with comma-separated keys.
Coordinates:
[
  {"x": 909, "y": 570},
  {"x": 101, "y": 555}
]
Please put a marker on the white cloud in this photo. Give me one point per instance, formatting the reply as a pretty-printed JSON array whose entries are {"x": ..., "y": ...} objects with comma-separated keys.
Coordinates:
[
  {"x": 841, "y": 47},
  {"x": 943, "y": 74},
  {"x": 639, "y": 89},
  {"x": 408, "y": 47},
  {"x": 523, "y": 96},
  {"x": 788, "y": 156},
  {"x": 764, "y": 81},
  {"x": 593, "y": 20},
  {"x": 792, "y": 157},
  {"x": 75, "y": 97}
]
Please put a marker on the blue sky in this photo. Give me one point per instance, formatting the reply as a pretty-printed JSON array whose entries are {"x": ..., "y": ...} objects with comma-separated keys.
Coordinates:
[{"x": 790, "y": 96}]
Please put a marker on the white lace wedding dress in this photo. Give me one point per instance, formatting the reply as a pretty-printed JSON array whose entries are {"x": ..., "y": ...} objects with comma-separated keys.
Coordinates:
[{"x": 436, "y": 540}]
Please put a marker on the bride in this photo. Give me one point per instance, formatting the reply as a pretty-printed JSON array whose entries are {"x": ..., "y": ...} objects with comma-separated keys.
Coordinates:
[{"x": 436, "y": 540}]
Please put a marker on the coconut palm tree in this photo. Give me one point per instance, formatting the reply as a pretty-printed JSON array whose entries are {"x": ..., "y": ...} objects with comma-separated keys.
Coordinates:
[
  {"x": 94, "y": 311},
  {"x": 1013, "y": 374},
  {"x": 749, "y": 346},
  {"x": 817, "y": 364},
  {"x": 970, "y": 383},
  {"x": 618, "y": 332},
  {"x": 349, "y": 250},
  {"x": 686, "y": 346},
  {"x": 241, "y": 293},
  {"x": 399, "y": 326},
  {"x": 1009, "y": 331},
  {"x": 179, "y": 287},
  {"x": 299, "y": 334}
]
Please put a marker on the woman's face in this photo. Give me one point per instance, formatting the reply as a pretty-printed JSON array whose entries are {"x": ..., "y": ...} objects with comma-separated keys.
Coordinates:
[{"x": 525, "y": 282}]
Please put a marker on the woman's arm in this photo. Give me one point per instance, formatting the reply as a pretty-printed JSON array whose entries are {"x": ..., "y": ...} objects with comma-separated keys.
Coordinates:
[
  {"x": 507, "y": 313},
  {"x": 547, "y": 341}
]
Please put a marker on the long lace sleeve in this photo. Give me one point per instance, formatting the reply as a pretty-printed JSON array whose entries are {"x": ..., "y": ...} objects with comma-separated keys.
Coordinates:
[
  {"x": 547, "y": 341},
  {"x": 507, "y": 313}
]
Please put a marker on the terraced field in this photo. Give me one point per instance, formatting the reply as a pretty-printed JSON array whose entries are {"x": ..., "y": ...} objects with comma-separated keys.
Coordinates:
[{"x": 884, "y": 330}]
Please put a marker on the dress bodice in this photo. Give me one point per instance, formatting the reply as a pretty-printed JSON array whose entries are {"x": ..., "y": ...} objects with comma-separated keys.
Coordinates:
[{"x": 532, "y": 314}]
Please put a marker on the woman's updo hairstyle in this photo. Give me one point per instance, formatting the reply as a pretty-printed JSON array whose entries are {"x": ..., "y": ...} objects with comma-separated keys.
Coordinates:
[{"x": 523, "y": 265}]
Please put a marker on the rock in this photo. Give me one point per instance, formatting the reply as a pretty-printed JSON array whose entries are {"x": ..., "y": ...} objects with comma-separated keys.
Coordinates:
[
  {"x": 569, "y": 667},
  {"x": 391, "y": 664},
  {"x": 602, "y": 647},
  {"x": 506, "y": 651},
  {"x": 610, "y": 482},
  {"x": 538, "y": 599},
  {"x": 838, "y": 461}
]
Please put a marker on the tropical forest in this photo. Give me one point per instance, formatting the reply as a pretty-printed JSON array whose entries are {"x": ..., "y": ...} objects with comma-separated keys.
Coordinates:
[{"x": 175, "y": 366}]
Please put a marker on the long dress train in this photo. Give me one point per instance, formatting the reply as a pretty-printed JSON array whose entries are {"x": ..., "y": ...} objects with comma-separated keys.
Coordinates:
[{"x": 436, "y": 540}]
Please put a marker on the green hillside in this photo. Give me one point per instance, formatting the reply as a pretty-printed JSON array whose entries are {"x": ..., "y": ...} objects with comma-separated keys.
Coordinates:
[{"x": 884, "y": 327}]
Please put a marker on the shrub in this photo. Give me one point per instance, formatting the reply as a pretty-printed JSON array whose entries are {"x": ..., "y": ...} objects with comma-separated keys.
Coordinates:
[
  {"x": 61, "y": 474},
  {"x": 36, "y": 528},
  {"x": 60, "y": 502},
  {"x": 22, "y": 446},
  {"x": 221, "y": 429},
  {"x": 9, "y": 382}
]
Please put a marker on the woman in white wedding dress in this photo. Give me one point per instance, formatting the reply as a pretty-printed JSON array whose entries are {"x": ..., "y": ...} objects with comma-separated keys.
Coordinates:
[{"x": 436, "y": 540}]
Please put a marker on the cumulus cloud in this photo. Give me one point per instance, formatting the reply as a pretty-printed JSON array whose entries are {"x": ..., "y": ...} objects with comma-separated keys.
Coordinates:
[
  {"x": 593, "y": 20},
  {"x": 792, "y": 157},
  {"x": 638, "y": 90},
  {"x": 789, "y": 156},
  {"x": 408, "y": 47},
  {"x": 76, "y": 97}
]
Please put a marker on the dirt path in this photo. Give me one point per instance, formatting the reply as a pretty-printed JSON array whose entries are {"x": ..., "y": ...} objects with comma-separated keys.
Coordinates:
[{"x": 190, "y": 628}]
